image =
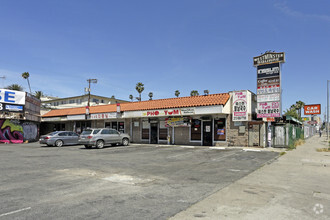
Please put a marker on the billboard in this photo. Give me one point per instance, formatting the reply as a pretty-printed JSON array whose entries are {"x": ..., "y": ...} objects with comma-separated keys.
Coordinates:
[
  {"x": 240, "y": 106},
  {"x": 269, "y": 84},
  {"x": 12, "y": 97},
  {"x": 312, "y": 109}
]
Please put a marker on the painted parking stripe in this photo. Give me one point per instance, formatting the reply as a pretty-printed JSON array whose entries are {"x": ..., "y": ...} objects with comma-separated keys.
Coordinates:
[
  {"x": 253, "y": 150},
  {"x": 16, "y": 211},
  {"x": 218, "y": 148}
]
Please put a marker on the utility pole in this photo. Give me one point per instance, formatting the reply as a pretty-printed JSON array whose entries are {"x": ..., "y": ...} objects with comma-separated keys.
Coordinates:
[
  {"x": 89, "y": 89},
  {"x": 328, "y": 108}
]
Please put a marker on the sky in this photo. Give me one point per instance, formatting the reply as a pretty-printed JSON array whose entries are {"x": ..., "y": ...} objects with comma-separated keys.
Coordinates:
[{"x": 167, "y": 45}]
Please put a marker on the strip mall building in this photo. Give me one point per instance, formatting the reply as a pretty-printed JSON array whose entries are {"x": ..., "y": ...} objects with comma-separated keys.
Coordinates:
[{"x": 199, "y": 120}]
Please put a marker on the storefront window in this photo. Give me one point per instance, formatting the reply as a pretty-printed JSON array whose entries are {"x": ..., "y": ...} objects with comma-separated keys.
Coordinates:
[
  {"x": 162, "y": 130},
  {"x": 220, "y": 129},
  {"x": 107, "y": 125},
  {"x": 145, "y": 130},
  {"x": 196, "y": 130},
  {"x": 121, "y": 127}
]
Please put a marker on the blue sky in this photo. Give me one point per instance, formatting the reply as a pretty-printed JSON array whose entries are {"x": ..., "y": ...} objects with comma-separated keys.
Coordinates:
[{"x": 167, "y": 45}]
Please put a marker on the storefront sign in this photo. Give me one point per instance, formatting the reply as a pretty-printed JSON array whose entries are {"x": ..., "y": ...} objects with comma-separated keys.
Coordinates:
[
  {"x": 11, "y": 108},
  {"x": 176, "y": 122},
  {"x": 76, "y": 117},
  {"x": 157, "y": 113},
  {"x": 188, "y": 111},
  {"x": 269, "y": 58},
  {"x": 268, "y": 81},
  {"x": 268, "y": 109},
  {"x": 240, "y": 106},
  {"x": 312, "y": 109},
  {"x": 268, "y": 89},
  {"x": 104, "y": 115},
  {"x": 12, "y": 97},
  {"x": 268, "y": 70}
]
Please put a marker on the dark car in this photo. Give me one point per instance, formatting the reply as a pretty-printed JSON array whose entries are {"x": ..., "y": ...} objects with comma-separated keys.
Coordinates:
[
  {"x": 100, "y": 137},
  {"x": 59, "y": 138}
]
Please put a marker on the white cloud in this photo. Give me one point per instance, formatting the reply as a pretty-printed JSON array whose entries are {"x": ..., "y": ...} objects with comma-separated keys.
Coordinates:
[{"x": 284, "y": 8}]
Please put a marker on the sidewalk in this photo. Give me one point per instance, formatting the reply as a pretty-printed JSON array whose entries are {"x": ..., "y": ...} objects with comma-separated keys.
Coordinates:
[{"x": 296, "y": 186}]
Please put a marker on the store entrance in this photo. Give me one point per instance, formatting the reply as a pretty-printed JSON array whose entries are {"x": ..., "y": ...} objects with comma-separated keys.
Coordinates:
[
  {"x": 207, "y": 133},
  {"x": 153, "y": 133}
]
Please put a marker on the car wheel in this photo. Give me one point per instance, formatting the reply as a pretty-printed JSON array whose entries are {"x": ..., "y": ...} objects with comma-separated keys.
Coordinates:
[
  {"x": 88, "y": 146},
  {"x": 125, "y": 141},
  {"x": 59, "y": 143},
  {"x": 99, "y": 144}
]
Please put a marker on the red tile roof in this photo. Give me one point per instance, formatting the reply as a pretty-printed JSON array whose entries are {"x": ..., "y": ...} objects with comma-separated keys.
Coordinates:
[{"x": 182, "y": 102}]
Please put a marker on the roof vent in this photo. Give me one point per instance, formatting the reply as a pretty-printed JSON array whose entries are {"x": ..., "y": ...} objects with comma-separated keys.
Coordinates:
[{"x": 206, "y": 92}]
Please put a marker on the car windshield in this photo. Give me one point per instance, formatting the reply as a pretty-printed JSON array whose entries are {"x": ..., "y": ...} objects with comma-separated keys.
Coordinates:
[{"x": 52, "y": 133}]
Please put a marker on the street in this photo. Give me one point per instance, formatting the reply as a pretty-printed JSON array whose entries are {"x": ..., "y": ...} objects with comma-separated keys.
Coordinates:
[{"x": 134, "y": 182}]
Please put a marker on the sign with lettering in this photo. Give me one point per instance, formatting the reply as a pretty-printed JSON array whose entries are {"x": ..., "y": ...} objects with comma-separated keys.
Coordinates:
[
  {"x": 104, "y": 115},
  {"x": 161, "y": 112},
  {"x": 12, "y": 97},
  {"x": 268, "y": 70},
  {"x": 269, "y": 57},
  {"x": 312, "y": 109},
  {"x": 268, "y": 89},
  {"x": 176, "y": 122},
  {"x": 11, "y": 108},
  {"x": 268, "y": 81},
  {"x": 240, "y": 106},
  {"x": 268, "y": 109},
  {"x": 269, "y": 97}
]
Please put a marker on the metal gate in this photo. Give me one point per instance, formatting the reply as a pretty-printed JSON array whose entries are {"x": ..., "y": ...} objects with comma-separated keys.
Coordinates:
[
  {"x": 254, "y": 135},
  {"x": 279, "y": 139}
]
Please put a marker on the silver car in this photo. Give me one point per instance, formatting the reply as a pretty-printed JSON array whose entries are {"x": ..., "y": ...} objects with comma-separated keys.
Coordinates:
[
  {"x": 100, "y": 137},
  {"x": 59, "y": 138}
]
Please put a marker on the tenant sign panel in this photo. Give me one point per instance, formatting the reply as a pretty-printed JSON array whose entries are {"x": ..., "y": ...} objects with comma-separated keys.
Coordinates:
[
  {"x": 312, "y": 109},
  {"x": 240, "y": 106},
  {"x": 12, "y": 97}
]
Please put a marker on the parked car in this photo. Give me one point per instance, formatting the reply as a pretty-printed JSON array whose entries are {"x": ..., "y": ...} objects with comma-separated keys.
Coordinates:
[
  {"x": 100, "y": 137},
  {"x": 59, "y": 138}
]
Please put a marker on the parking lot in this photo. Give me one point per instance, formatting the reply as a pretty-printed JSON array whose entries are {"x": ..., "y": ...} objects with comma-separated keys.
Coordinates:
[{"x": 134, "y": 182}]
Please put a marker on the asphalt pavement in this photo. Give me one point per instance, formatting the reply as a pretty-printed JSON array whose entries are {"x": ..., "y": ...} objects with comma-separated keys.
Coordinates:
[
  {"x": 135, "y": 182},
  {"x": 295, "y": 186}
]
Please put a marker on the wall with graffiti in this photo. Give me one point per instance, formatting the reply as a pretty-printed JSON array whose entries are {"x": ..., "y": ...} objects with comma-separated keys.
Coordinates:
[{"x": 16, "y": 131}]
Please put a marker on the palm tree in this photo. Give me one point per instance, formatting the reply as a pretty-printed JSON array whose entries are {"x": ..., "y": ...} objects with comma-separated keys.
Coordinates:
[
  {"x": 14, "y": 87},
  {"x": 38, "y": 94},
  {"x": 177, "y": 93},
  {"x": 194, "y": 93},
  {"x": 26, "y": 76},
  {"x": 139, "y": 88},
  {"x": 131, "y": 97},
  {"x": 150, "y": 95},
  {"x": 299, "y": 105}
]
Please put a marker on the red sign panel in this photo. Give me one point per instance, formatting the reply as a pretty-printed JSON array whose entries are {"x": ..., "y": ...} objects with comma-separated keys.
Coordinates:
[{"x": 312, "y": 109}]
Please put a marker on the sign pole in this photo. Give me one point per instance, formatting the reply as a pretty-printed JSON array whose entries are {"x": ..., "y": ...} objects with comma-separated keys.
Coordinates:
[{"x": 328, "y": 108}]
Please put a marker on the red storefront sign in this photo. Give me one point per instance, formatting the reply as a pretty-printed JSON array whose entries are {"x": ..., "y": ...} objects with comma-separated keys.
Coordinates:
[{"x": 312, "y": 109}]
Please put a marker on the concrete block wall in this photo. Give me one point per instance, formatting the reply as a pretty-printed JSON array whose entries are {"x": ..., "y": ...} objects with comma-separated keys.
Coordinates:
[{"x": 234, "y": 138}]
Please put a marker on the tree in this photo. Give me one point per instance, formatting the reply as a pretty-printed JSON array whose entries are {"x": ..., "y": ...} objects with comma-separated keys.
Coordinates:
[
  {"x": 14, "y": 87},
  {"x": 299, "y": 106},
  {"x": 177, "y": 93},
  {"x": 38, "y": 94},
  {"x": 150, "y": 95},
  {"x": 194, "y": 93},
  {"x": 131, "y": 97},
  {"x": 139, "y": 88},
  {"x": 26, "y": 76}
]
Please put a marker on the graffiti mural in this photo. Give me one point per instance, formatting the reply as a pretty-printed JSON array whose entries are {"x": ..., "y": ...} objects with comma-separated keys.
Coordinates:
[
  {"x": 10, "y": 131},
  {"x": 15, "y": 131}
]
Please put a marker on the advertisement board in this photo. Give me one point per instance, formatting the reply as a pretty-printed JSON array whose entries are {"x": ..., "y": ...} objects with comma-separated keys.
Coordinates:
[
  {"x": 268, "y": 70},
  {"x": 240, "y": 106},
  {"x": 312, "y": 109},
  {"x": 268, "y": 109},
  {"x": 11, "y": 108},
  {"x": 269, "y": 57},
  {"x": 12, "y": 97},
  {"x": 268, "y": 89},
  {"x": 269, "y": 97},
  {"x": 268, "y": 81}
]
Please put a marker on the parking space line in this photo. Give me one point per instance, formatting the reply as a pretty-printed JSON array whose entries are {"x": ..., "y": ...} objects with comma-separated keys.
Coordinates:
[{"x": 14, "y": 212}]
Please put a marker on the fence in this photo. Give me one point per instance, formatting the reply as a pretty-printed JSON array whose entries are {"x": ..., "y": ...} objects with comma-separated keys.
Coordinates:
[{"x": 285, "y": 135}]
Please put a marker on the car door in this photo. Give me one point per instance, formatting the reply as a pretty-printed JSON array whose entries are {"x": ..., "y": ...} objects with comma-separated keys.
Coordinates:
[
  {"x": 115, "y": 136},
  {"x": 64, "y": 136},
  {"x": 74, "y": 138},
  {"x": 106, "y": 136}
]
